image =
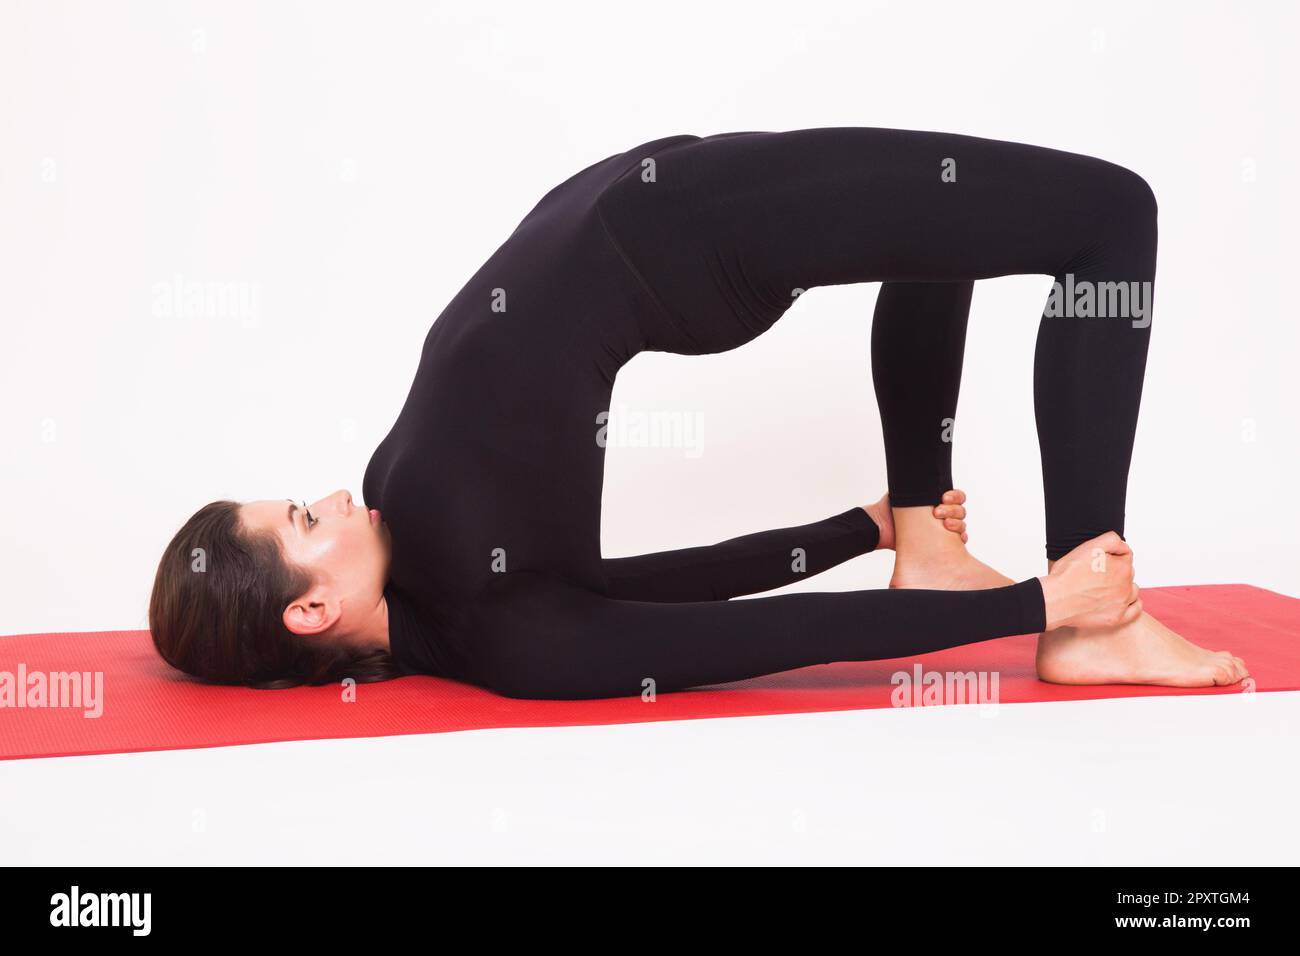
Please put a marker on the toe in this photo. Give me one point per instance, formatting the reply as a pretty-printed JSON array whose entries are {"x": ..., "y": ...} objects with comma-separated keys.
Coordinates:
[{"x": 1231, "y": 665}]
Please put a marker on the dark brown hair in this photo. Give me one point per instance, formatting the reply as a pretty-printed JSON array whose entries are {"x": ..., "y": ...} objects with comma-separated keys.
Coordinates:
[{"x": 217, "y": 609}]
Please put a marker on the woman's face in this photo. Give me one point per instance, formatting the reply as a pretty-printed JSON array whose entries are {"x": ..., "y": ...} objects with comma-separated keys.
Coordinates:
[{"x": 345, "y": 547}]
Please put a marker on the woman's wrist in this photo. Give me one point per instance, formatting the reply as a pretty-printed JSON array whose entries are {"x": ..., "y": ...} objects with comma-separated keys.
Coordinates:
[
  {"x": 879, "y": 513},
  {"x": 1055, "y": 610}
]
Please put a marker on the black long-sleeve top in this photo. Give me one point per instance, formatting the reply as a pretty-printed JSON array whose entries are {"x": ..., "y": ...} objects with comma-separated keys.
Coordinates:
[{"x": 490, "y": 482}]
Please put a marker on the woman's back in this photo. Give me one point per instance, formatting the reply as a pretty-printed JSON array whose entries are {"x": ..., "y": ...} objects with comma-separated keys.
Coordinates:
[{"x": 493, "y": 464}]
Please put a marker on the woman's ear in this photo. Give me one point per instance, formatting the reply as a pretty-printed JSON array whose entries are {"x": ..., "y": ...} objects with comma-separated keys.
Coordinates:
[{"x": 314, "y": 613}]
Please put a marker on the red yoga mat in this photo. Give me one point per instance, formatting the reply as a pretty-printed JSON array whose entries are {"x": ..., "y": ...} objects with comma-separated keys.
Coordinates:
[{"x": 145, "y": 705}]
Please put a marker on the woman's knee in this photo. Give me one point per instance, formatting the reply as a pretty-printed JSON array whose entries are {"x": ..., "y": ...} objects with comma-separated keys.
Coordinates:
[{"x": 1121, "y": 198}]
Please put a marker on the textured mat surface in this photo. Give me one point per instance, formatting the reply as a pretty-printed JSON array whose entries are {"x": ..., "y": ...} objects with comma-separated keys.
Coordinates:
[{"x": 145, "y": 705}]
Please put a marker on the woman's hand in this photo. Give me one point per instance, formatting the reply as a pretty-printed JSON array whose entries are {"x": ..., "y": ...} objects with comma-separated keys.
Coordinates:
[
  {"x": 1092, "y": 586},
  {"x": 952, "y": 513}
]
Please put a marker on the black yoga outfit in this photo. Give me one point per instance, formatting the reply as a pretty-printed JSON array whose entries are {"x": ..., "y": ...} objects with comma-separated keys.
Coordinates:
[{"x": 490, "y": 480}]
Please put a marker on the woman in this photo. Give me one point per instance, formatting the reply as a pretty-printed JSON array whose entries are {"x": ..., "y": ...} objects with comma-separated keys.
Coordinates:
[{"x": 479, "y": 558}]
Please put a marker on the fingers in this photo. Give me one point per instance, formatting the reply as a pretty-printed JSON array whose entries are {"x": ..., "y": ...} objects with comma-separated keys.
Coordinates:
[
  {"x": 1133, "y": 608},
  {"x": 1131, "y": 613},
  {"x": 1112, "y": 543},
  {"x": 1125, "y": 563},
  {"x": 952, "y": 513}
]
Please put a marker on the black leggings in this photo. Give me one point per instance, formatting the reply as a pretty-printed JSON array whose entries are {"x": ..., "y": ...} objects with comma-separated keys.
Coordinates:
[
  {"x": 492, "y": 480},
  {"x": 925, "y": 213}
]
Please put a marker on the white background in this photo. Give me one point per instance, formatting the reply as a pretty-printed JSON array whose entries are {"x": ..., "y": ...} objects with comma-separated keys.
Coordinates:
[
  {"x": 355, "y": 163},
  {"x": 1097, "y": 782}
]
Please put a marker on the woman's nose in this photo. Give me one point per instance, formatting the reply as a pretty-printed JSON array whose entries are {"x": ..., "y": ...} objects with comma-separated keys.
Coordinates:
[{"x": 340, "y": 501}]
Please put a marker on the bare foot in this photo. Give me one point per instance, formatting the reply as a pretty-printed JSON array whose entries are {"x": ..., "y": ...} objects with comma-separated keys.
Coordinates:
[
  {"x": 931, "y": 554},
  {"x": 1100, "y": 646},
  {"x": 1143, "y": 651}
]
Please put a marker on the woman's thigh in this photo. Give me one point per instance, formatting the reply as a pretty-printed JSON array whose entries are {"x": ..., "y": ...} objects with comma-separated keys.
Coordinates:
[{"x": 729, "y": 230}]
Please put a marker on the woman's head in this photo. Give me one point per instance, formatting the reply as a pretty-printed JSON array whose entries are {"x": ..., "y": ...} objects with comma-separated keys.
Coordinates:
[{"x": 274, "y": 594}]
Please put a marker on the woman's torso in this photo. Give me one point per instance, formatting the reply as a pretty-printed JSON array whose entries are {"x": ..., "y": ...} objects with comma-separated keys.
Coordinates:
[{"x": 493, "y": 464}]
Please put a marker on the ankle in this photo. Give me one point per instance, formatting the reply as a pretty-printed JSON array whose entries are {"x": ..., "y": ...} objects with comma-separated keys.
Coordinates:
[{"x": 917, "y": 532}]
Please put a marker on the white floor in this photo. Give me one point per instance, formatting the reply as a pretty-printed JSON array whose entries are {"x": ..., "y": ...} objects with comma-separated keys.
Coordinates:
[{"x": 1195, "y": 780}]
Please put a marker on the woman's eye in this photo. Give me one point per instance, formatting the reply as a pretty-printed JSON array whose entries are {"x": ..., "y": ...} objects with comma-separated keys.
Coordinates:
[{"x": 310, "y": 520}]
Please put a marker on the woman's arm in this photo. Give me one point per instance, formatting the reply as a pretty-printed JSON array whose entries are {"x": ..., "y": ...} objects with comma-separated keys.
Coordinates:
[
  {"x": 534, "y": 636},
  {"x": 745, "y": 565}
]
